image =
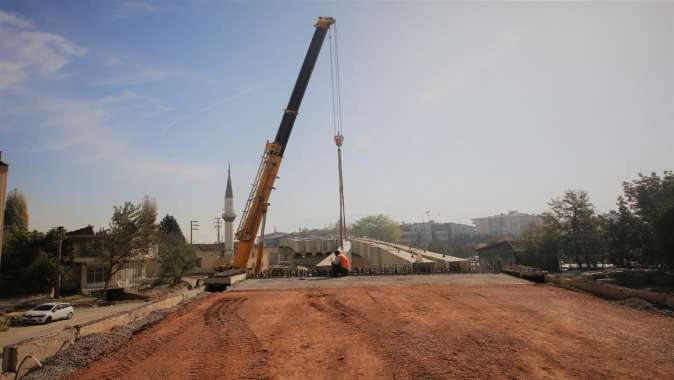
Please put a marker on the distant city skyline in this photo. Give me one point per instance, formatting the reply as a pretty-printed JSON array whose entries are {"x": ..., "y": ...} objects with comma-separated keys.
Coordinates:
[{"x": 462, "y": 109}]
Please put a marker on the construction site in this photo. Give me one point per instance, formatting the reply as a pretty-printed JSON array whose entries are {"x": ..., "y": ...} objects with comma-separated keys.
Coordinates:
[
  {"x": 349, "y": 307},
  {"x": 402, "y": 327}
]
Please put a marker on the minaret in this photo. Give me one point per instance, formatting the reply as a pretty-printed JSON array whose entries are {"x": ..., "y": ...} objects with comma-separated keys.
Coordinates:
[{"x": 229, "y": 216}]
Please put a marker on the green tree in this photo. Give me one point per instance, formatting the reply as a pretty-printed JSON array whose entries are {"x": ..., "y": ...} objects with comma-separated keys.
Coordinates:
[
  {"x": 16, "y": 211},
  {"x": 622, "y": 237},
  {"x": 572, "y": 225},
  {"x": 121, "y": 241},
  {"x": 169, "y": 225},
  {"x": 377, "y": 227},
  {"x": 543, "y": 242},
  {"x": 29, "y": 262},
  {"x": 175, "y": 255},
  {"x": 651, "y": 201}
]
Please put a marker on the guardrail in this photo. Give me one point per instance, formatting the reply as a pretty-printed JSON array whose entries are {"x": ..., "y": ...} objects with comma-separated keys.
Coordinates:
[{"x": 369, "y": 271}]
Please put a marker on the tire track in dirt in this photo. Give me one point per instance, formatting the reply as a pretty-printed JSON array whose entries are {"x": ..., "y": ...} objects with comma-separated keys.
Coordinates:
[
  {"x": 391, "y": 343},
  {"x": 144, "y": 346},
  {"x": 229, "y": 348}
]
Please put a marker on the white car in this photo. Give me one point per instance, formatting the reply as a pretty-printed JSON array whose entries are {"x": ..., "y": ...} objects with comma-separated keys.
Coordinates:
[{"x": 48, "y": 312}]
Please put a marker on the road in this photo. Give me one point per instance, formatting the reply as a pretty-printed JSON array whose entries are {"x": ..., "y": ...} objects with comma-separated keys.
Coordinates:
[
  {"x": 404, "y": 332},
  {"x": 82, "y": 315},
  {"x": 362, "y": 281}
]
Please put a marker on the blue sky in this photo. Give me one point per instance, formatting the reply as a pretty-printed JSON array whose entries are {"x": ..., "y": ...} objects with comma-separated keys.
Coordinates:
[{"x": 463, "y": 109}]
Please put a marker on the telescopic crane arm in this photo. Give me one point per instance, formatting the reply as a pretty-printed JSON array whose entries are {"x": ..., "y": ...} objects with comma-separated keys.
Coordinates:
[{"x": 256, "y": 206}]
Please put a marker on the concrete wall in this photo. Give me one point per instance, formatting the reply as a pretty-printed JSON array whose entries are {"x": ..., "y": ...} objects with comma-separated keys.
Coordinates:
[{"x": 46, "y": 346}]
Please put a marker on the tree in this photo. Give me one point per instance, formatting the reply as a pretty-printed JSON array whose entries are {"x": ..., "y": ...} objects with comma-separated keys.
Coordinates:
[
  {"x": 146, "y": 222},
  {"x": 622, "y": 238},
  {"x": 543, "y": 242},
  {"x": 121, "y": 241},
  {"x": 572, "y": 226},
  {"x": 175, "y": 255},
  {"x": 651, "y": 201},
  {"x": 16, "y": 211},
  {"x": 29, "y": 263},
  {"x": 377, "y": 227},
  {"x": 169, "y": 225}
]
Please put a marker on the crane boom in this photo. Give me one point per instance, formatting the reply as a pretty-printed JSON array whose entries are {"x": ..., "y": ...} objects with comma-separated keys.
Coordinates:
[{"x": 256, "y": 206}]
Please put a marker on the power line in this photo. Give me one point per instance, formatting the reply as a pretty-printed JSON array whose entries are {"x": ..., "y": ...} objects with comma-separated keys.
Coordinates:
[
  {"x": 194, "y": 226},
  {"x": 217, "y": 223}
]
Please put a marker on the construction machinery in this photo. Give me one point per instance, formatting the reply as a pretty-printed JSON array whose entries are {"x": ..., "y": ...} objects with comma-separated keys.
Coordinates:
[{"x": 255, "y": 211}]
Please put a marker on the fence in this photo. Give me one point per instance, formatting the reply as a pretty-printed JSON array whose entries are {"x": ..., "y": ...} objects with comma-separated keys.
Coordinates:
[{"x": 371, "y": 271}]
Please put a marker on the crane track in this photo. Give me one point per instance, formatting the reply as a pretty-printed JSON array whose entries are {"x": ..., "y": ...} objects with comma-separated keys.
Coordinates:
[{"x": 229, "y": 344}]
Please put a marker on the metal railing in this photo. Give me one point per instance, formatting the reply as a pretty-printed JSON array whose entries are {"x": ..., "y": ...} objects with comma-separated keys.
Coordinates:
[{"x": 371, "y": 271}]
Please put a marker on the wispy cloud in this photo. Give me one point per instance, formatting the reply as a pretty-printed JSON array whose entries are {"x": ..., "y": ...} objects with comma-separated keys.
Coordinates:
[
  {"x": 11, "y": 73},
  {"x": 119, "y": 98},
  {"x": 132, "y": 6},
  {"x": 85, "y": 127},
  {"x": 127, "y": 75},
  {"x": 7, "y": 18},
  {"x": 26, "y": 52},
  {"x": 205, "y": 109}
]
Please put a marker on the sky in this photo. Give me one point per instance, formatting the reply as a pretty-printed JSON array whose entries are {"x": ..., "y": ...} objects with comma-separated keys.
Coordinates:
[{"x": 463, "y": 110}]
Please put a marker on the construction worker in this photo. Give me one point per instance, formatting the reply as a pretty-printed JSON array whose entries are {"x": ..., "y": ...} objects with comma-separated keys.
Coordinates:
[{"x": 340, "y": 266}]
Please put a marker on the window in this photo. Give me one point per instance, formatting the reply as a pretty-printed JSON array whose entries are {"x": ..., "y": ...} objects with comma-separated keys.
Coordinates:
[
  {"x": 96, "y": 274},
  {"x": 90, "y": 246}
]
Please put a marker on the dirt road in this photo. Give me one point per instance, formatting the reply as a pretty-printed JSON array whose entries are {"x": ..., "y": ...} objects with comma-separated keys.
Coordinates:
[{"x": 401, "y": 332}]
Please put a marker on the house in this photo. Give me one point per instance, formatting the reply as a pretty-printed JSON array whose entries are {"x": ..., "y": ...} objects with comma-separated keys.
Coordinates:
[
  {"x": 504, "y": 253},
  {"x": 90, "y": 260},
  {"x": 208, "y": 256}
]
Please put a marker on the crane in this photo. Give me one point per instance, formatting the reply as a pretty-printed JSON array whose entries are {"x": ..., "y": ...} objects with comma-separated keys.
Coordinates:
[{"x": 255, "y": 210}]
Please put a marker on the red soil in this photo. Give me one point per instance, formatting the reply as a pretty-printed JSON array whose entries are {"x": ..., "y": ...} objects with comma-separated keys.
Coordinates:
[{"x": 402, "y": 332}]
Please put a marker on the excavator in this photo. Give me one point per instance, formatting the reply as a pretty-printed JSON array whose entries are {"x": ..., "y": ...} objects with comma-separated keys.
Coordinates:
[{"x": 255, "y": 211}]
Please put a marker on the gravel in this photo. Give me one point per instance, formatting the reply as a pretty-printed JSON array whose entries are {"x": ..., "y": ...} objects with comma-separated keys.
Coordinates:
[{"x": 89, "y": 348}]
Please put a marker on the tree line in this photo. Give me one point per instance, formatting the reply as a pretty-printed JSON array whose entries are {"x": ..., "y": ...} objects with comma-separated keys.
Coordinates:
[
  {"x": 641, "y": 230},
  {"x": 30, "y": 260}
]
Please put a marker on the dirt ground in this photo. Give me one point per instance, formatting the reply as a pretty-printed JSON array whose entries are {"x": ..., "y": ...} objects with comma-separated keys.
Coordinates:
[{"x": 425, "y": 331}]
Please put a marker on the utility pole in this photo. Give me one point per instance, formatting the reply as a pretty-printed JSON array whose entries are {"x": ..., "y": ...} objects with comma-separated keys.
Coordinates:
[
  {"x": 4, "y": 168},
  {"x": 217, "y": 222},
  {"x": 58, "y": 261},
  {"x": 194, "y": 226}
]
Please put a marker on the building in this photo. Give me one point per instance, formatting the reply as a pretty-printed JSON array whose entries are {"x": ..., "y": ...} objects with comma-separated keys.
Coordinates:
[
  {"x": 229, "y": 217},
  {"x": 206, "y": 257},
  {"x": 4, "y": 169},
  {"x": 424, "y": 234},
  {"x": 505, "y": 253},
  {"x": 512, "y": 224},
  {"x": 91, "y": 263}
]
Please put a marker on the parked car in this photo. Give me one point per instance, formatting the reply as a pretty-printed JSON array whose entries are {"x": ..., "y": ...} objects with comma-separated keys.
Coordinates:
[{"x": 48, "y": 312}]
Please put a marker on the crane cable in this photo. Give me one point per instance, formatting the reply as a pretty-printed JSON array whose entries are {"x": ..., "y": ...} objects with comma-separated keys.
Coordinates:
[{"x": 335, "y": 87}]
